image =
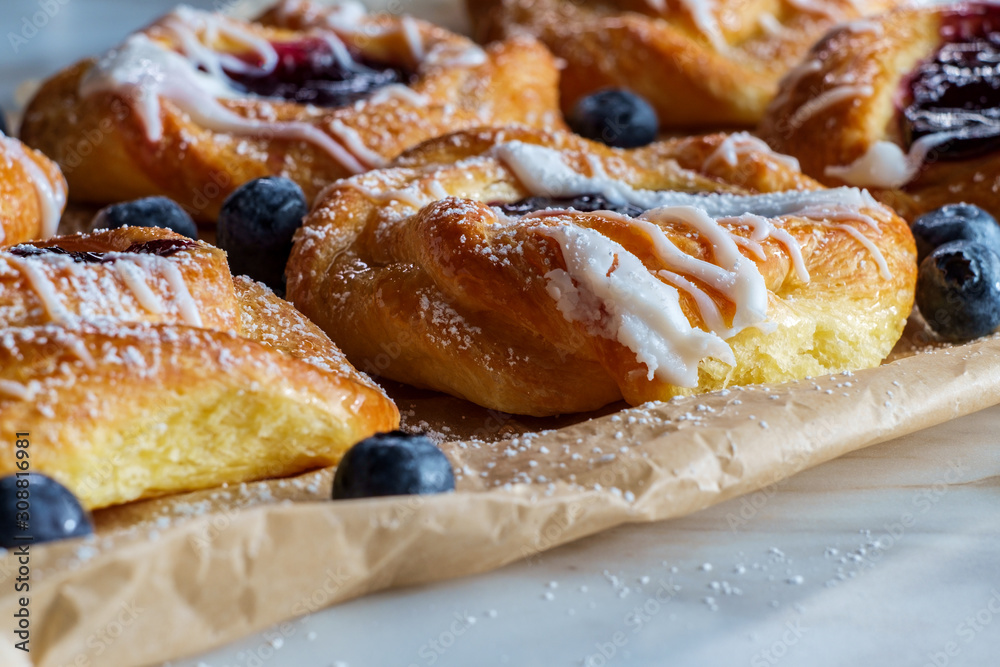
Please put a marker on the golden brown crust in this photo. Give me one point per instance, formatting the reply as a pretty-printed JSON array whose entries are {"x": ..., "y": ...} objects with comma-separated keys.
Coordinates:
[
  {"x": 103, "y": 145},
  {"x": 23, "y": 199},
  {"x": 863, "y": 72},
  {"x": 125, "y": 403},
  {"x": 701, "y": 65},
  {"x": 437, "y": 294}
]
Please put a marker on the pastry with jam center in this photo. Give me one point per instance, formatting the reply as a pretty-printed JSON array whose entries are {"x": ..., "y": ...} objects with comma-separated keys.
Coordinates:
[
  {"x": 142, "y": 367},
  {"x": 906, "y": 104},
  {"x": 545, "y": 274},
  {"x": 199, "y": 103},
  {"x": 701, "y": 64}
]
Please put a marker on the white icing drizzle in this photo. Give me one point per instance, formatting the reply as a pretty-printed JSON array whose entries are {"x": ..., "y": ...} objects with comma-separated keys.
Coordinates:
[
  {"x": 865, "y": 26},
  {"x": 44, "y": 289},
  {"x": 80, "y": 350},
  {"x": 608, "y": 289},
  {"x": 51, "y": 196},
  {"x": 542, "y": 171},
  {"x": 827, "y": 99},
  {"x": 702, "y": 12},
  {"x": 411, "y": 33},
  {"x": 338, "y": 48},
  {"x": 885, "y": 165},
  {"x": 883, "y": 267},
  {"x": 397, "y": 91},
  {"x": 732, "y": 274},
  {"x": 438, "y": 191},
  {"x": 409, "y": 196},
  {"x": 762, "y": 228},
  {"x": 352, "y": 140},
  {"x": 134, "y": 278},
  {"x": 194, "y": 29},
  {"x": 182, "y": 297},
  {"x": 445, "y": 55},
  {"x": 144, "y": 71},
  {"x": 19, "y": 391},
  {"x": 133, "y": 270},
  {"x": 738, "y": 145},
  {"x": 792, "y": 80},
  {"x": 814, "y": 7},
  {"x": 771, "y": 25}
]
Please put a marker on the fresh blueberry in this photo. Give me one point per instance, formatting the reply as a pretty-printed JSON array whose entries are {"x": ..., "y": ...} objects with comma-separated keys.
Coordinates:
[
  {"x": 393, "y": 464},
  {"x": 256, "y": 226},
  {"x": 958, "y": 290},
  {"x": 955, "y": 222},
  {"x": 48, "y": 510},
  {"x": 616, "y": 117},
  {"x": 148, "y": 212},
  {"x": 3, "y": 123}
]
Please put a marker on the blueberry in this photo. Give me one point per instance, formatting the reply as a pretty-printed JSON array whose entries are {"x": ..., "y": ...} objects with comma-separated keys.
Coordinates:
[
  {"x": 955, "y": 222},
  {"x": 149, "y": 212},
  {"x": 616, "y": 117},
  {"x": 958, "y": 290},
  {"x": 392, "y": 464},
  {"x": 50, "y": 511},
  {"x": 3, "y": 124},
  {"x": 256, "y": 226}
]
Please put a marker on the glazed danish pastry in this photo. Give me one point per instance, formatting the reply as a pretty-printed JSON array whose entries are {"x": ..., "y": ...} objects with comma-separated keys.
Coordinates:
[
  {"x": 907, "y": 105},
  {"x": 199, "y": 103},
  {"x": 141, "y": 368},
  {"x": 700, "y": 63},
  {"x": 32, "y": 193},
  {"x": 542, "y": 274}
]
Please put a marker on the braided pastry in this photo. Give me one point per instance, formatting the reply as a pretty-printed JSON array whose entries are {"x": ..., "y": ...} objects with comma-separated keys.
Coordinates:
[
  {"x": 700, "y": 63},
  {"x": 543, "y": 274},
  {"x": 141, "y": 367},
  {"x": 32, "y": 193},
  {"x": 907, "y": 105},
  {"x": 199, "y": 103}
]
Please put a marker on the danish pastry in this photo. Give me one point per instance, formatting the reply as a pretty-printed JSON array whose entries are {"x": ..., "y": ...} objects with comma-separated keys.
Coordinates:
[
  {"x": 32, "y": 193},
  {"x": 907, "y": 104},
  {"x": 199, "y": 103},
  {"x": 141, "y": 367},
  {"x": 543, "y": 274},
  {"x": 700, "y": 64}
]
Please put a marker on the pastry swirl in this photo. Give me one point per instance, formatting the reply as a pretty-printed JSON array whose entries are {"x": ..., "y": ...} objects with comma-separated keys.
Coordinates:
[
  {"x": 905, "y": 104},
  {"x": 32, "y": 193},
  {"x": 199, "y": 103},
  {"x": 700, "y": 63},
  {"x": 141, "y": 368},
  {"x": 543, "y": 274}
]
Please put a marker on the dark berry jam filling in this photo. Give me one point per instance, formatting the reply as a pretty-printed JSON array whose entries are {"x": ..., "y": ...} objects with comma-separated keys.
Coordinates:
[
  {"x": 582, "y": 203},
  {"x": 309, "y": 72},
  {"x": 161, "y": 247},
  {"x": 958, "y": 89}
]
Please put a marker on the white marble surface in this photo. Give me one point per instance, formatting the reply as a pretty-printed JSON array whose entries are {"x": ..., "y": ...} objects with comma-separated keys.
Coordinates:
[
  {"x": 888, "y": 556},
  {"x": 818, "y": 570}
]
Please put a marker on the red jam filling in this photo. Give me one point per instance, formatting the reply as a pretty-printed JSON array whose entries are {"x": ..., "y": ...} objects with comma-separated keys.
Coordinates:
[
  {"x": 583, "y": 203},
  {"x": 310, "y": 72},
  {"x": 958, "y": 89}
]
